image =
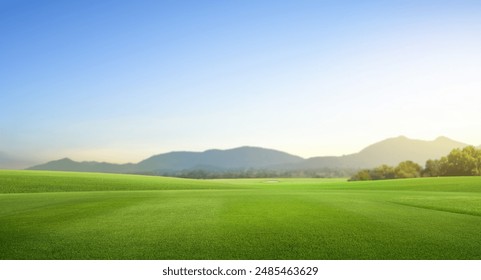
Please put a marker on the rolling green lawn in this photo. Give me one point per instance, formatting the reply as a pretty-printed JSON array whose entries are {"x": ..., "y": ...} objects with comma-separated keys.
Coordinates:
[{"x": 64, "y": 215}]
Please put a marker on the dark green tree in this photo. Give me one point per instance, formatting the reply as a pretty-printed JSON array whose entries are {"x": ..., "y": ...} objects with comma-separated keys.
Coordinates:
[
  {"x": 362, "y": 175},
  {"x": 382, "y": 172},
  {"x": 408, "y": 169},
  {"x": 432, "y": 169}
]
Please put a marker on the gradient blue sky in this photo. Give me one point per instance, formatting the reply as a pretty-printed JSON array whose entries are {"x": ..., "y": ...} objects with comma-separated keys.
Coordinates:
[{"x": 121, "y": 80}]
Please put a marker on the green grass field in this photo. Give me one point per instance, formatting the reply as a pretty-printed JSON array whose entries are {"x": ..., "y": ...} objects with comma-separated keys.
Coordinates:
[{"x": 62, "y": 215}]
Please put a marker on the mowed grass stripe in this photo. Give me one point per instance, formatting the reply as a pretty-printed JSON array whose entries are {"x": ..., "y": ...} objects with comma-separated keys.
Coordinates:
[
  {"x": 48, "y": 181},
  {"x": 246, "y": 219}
]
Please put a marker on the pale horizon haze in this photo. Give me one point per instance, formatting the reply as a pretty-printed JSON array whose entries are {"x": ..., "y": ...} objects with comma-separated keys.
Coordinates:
[{"x": 120, "y": 81}]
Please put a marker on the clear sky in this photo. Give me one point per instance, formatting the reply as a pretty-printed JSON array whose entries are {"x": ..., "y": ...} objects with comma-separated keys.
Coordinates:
[{"x": 120, "y": 81}]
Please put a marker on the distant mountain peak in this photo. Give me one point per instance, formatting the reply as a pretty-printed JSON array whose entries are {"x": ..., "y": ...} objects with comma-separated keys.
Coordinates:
[
  {"x": 235, "y": 158},
  {"x": 395, "y": 150},
  {"x": 389, "y": 151},
  {"x": 444, "y": 138}
]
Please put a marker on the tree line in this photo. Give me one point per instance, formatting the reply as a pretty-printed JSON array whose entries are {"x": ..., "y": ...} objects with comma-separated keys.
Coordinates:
[
  {"x": 459, "y": 162},
  {"x": 255, "y": 173}
]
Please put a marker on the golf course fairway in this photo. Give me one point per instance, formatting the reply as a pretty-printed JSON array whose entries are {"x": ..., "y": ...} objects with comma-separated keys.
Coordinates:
[{"x": 68, "y": 215}]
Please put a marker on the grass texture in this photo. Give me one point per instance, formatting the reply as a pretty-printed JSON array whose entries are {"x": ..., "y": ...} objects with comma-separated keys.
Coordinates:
[{"x": 66, "y": 215}]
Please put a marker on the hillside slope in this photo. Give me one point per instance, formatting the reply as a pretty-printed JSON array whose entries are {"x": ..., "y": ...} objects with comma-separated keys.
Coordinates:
[
  {"x": 238, "y": 158},
  {"x": 390, "y": 151}
]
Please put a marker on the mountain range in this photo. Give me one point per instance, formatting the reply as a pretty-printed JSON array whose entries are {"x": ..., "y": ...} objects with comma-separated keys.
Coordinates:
[{"x": 390, "y": 151}]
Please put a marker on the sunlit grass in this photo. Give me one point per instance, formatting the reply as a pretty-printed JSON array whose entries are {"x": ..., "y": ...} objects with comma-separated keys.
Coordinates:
[{"x": 63, "y": 215}]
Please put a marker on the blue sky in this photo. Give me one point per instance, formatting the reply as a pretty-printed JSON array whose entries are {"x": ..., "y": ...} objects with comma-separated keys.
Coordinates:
[{"x": 122, "y": 80}]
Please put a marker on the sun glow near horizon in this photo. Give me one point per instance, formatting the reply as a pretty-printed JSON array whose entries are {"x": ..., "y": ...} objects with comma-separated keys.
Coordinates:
[{"x": 118, "y": 81}]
